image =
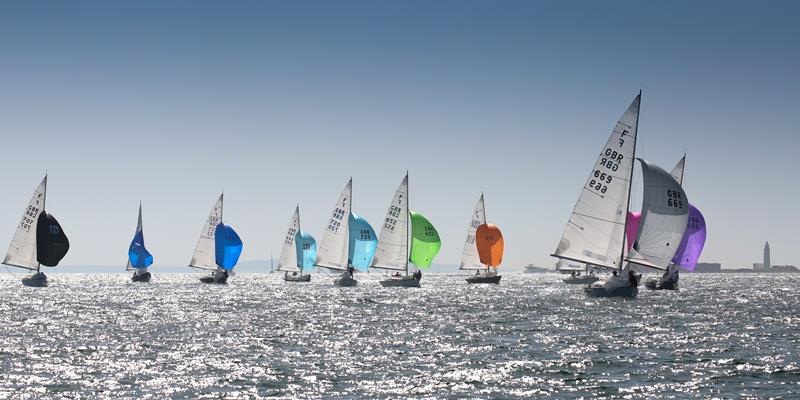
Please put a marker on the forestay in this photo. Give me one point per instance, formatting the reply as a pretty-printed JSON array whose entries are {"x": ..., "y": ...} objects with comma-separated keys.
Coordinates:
[
  {"x": 288, "y": 259},
  {"x": 333, "y": 252},
  {"x": 665, "y": 211},
  {"x": 469, "y": 257},
  {"x": 204, "y": 253},
  {"x": 596, "y": 228},
  {"x": 22, "y": 250},
  {"x": 392, "y": 250}
]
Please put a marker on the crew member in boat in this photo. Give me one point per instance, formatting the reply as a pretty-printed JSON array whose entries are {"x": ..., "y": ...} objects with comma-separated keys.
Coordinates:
[
  {"x": 350, "y": 270},
  {"x": 632, "y": 280},
  {"x": 418, "y": 275}
]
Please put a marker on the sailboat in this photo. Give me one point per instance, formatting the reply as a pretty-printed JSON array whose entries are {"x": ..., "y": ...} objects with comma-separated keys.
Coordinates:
[
  {"x": 38, "y": 241},
  {"x": 394, "y": 252},
  {"x": 298, "y": 253},
  {"x": 218, "y": 248},
  {"x": 482, "y": 246},
  {"x": 271, "y": 264},
  {"x": 348, "y": 240},
  {"x": 139, "y": 259},
  {"x": 595, "y": 231},
  {"x": 575, "y": 271},
  {"x": 691, "y": 245}
]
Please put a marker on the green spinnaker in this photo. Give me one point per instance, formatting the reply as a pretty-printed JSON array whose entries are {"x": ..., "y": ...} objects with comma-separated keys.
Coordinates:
[{"x": 425, "y": 242}]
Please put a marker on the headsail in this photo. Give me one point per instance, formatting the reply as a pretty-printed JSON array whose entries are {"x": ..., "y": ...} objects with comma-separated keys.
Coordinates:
[
  {"x": 306, "y": 250},
  {"x": 693, "y": 240},
  {"x": 22, "y": 250},
  {"x": 677, "y": 172},
  {"x": 363, "y": 242},
  {"x": 490, "y": 244},
  {"x": 333, "y": 251},
  {"x": 469, "y": 258},
  {"x": 392, "y": 250},
  {"x": 227, "y": 246},
  {"x": 425, "y": 242},
  {"x": 138, "y": 256},
  {"x": 204, "y": 253},
  {"x": 596, "y": 229},
  {"x": 665, "y": 212},
  {"x": 288, "y": 259}
]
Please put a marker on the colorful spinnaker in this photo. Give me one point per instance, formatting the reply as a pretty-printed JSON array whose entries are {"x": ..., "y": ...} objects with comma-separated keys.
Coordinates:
[
  {"x": 363, "y": 242},
  {"x": 306, "y": 250},
  {"x": 489, "y": 241},
  {"x": 425, "y": 241},
  {"x": 693, "y": 241},
  {"x": 228, "y": 246},
  {"x": 138, "y": 256}
]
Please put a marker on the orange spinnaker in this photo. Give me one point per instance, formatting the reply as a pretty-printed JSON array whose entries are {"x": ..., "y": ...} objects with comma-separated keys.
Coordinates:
[{"x": 490, "y": 244}]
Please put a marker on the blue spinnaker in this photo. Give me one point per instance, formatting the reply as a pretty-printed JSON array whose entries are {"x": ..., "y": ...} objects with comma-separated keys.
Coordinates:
[
  {"x": 306, "y": 250},
  {"x": 138, "y": 254},
  {"x": 227, "y": 246},
  {"x": 363, "y": 242}
]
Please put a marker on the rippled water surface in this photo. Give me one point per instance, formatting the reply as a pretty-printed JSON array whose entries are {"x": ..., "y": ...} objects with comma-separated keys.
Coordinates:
[{"x": 101, "y": 336}]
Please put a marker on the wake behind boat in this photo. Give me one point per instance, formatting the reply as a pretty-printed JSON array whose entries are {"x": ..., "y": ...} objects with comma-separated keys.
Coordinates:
[
  {"x": 139, "y": 259},
  {"x": 38, "y": 240},
  {"x": 218, "y": 248}
]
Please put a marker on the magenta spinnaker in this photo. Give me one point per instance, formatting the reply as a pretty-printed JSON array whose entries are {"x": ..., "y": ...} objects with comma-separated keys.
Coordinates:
[
  {"x": 693, "y": 240},
  {"x": 691, "y": 245}
]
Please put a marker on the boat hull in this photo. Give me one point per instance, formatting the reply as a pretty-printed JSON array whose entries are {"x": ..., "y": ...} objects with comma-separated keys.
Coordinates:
[
  {"x": 297, "y": 278},
  {"x": 599, "y": 291},
  {"x": 484, "y": 279},
  {"x": 406, "y": 281},
  {"x": 215, "y": 279},
  {"x": 144, "y": 278},
  {"x": 656, "y": 284},
  {"x": 582, "y": 280},
  {"x": 345, "y": 280},
  {"x": 36, "y": 280}
]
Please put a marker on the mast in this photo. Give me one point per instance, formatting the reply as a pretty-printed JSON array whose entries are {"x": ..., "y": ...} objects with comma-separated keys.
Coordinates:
[
  {"x": 684, "y": 167},
  {"x": 408, "y": 219},
  {"x": 349, "y": 214},
  {"x": 299, "y": 263},
  {"x": 271, "y": 263},
  {"x": 44, "y": 202},
  {"x": 485, "y": 220},
  {"x": 630, "y": 182}
]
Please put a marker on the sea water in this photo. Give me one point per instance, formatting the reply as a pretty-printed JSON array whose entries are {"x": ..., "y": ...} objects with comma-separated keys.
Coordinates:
[{"x": 101, "y": 336}]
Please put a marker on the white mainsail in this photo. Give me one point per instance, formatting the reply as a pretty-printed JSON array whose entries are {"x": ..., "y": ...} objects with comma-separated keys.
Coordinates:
[
  {"x": 333, "y": 252},
  {"x": 22, "y": 250},
  {"x": 138, "y": 229},
  {"x": 469, "y": 258},
  {"x": 203, "y": 256},
  {"x": 392, "y": 250},
  {"x": 595, "y": 232},
  {"x": 665, "y": 213},
  {"x": 677, "y": 172},
  {"x": 288, "y": 260}
]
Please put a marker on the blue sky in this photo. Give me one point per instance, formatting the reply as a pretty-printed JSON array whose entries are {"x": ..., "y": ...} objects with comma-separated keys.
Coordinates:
[{"x": 280, "y": 103}]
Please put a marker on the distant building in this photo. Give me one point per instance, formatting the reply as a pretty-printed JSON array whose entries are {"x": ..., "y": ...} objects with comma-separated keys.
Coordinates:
[
  {"x": 758, "y": 266},
  {"x": 767, "y": 265},
  {"x": 784, "y": 268},
  {"x": 708, "y": 267}
]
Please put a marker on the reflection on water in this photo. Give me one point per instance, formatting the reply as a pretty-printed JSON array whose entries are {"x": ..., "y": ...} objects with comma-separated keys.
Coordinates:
[{"x": 101, "y": 336}]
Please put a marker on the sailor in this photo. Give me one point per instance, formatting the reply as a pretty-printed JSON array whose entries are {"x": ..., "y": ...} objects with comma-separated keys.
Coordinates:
[
  {"x": 418, "y": 275},
  {"x": 632, "y": 279},
  {"x": 350, "y": 270}
]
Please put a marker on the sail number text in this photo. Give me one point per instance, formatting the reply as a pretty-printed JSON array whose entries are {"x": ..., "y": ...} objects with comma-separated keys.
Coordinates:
[{"x": 674, "y": 199}]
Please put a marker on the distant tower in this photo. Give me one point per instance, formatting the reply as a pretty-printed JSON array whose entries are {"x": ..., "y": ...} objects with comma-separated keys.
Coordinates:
[{"x": 767, "y": 265}]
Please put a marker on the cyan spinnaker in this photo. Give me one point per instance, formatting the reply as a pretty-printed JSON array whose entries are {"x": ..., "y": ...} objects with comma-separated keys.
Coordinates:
[
  {"x": 138, "y": 254},
  {"x": 227, "y": 246},
  {"x": 363, "y": 242},
  {"x": 306, "y": 250},
  {"x": 425, "y": 242}
]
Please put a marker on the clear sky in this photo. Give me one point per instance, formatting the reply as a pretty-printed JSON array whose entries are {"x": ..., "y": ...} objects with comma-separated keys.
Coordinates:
[{"x": 279, "y": 103}]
